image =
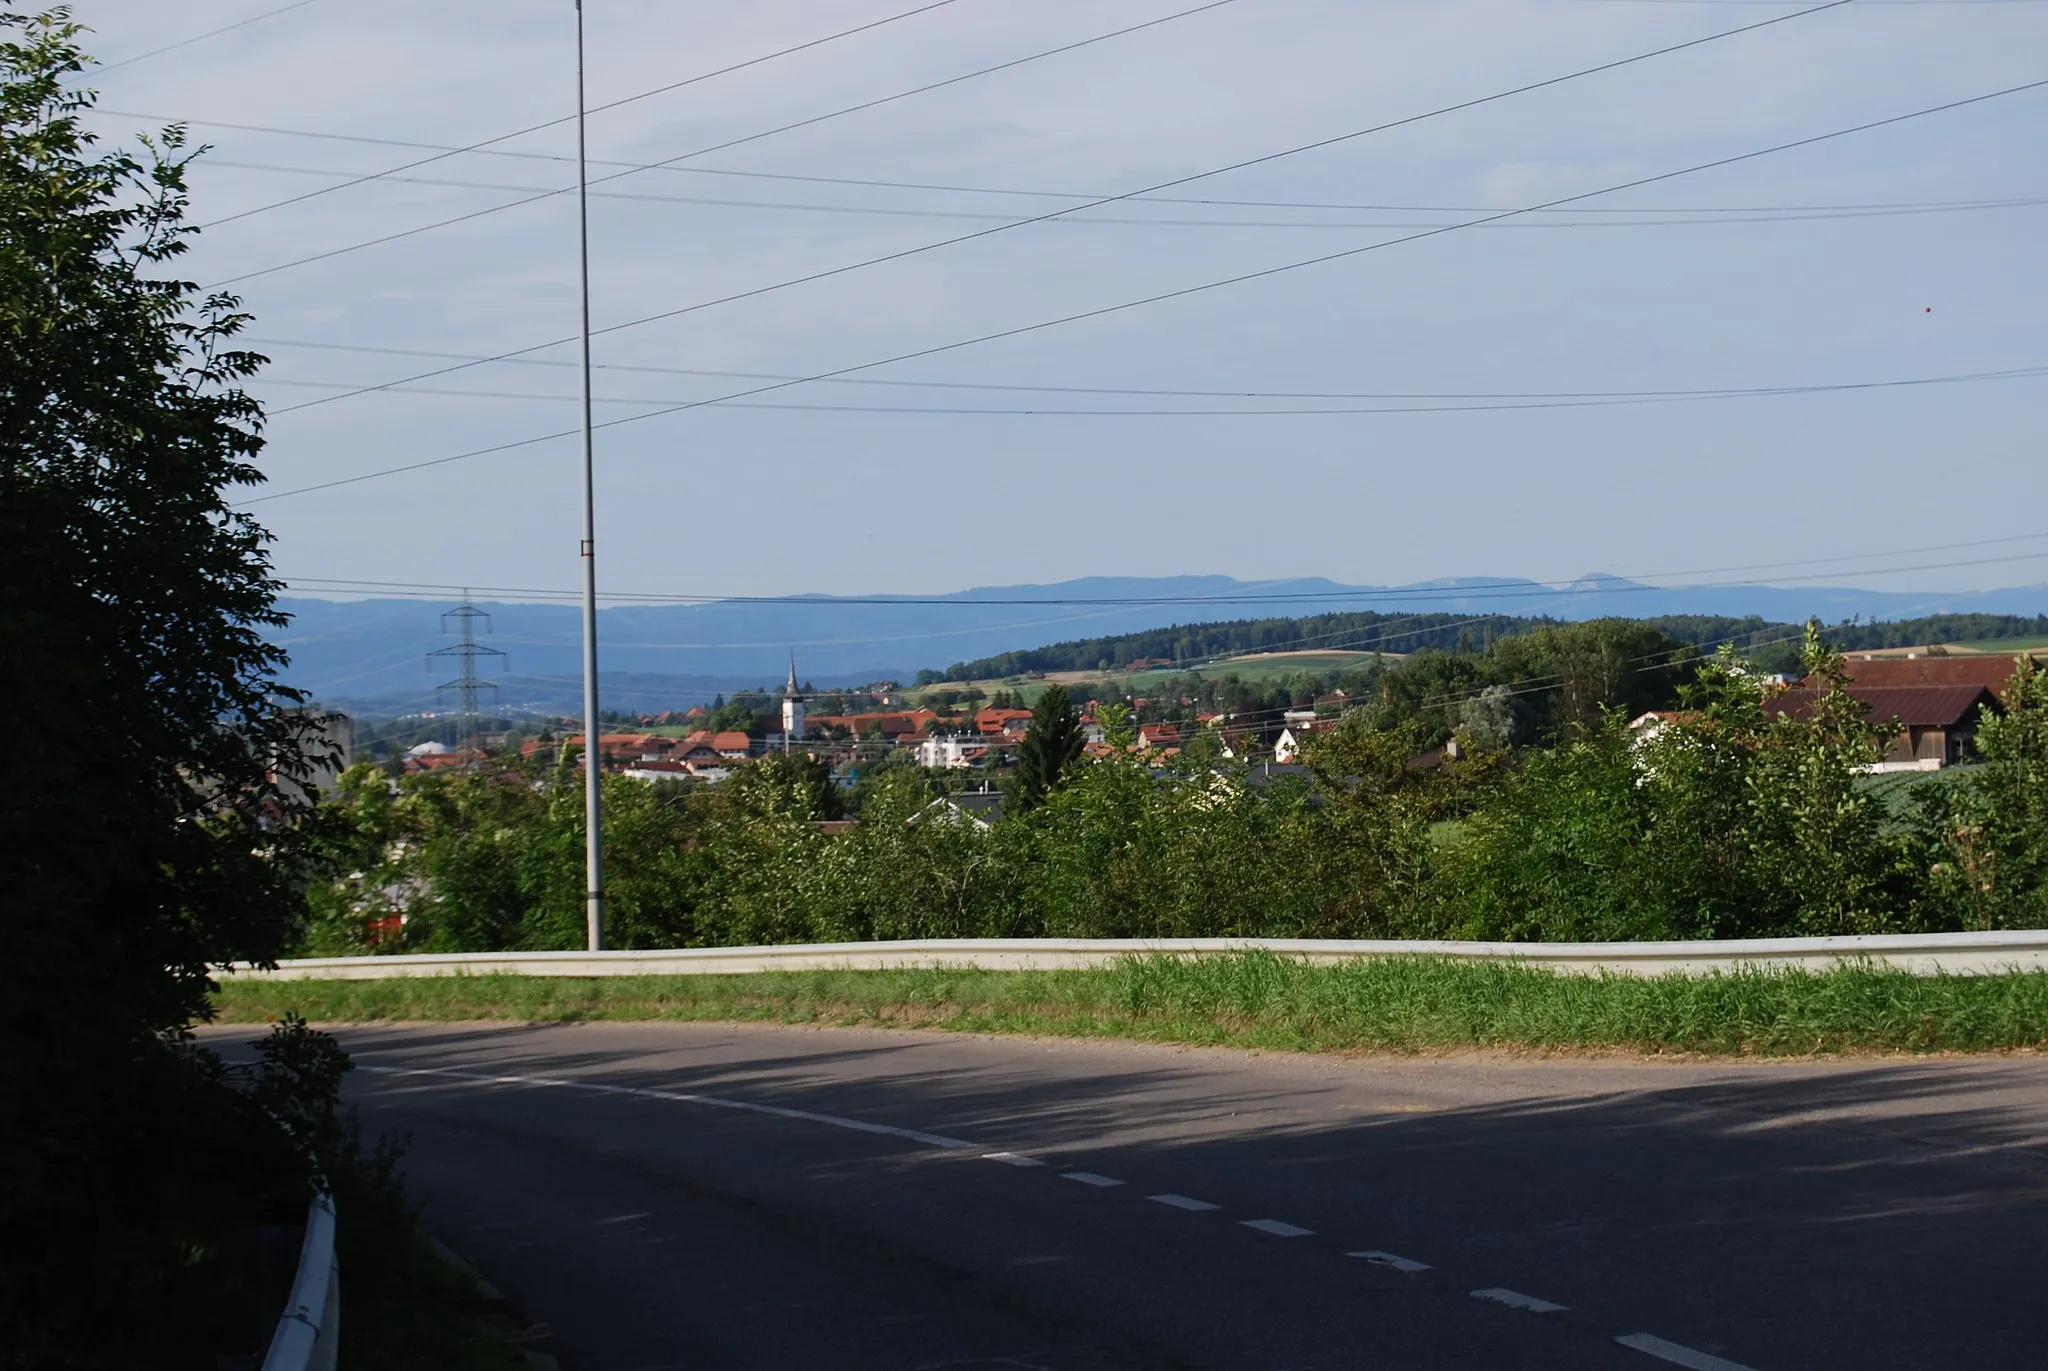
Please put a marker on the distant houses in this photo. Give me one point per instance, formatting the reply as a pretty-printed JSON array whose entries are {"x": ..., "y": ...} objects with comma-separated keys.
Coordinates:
[{"x": 1934, "y": 704}]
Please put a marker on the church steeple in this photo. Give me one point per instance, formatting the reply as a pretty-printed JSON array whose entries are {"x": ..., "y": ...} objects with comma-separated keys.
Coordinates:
[{"x": 792, "y": 710}]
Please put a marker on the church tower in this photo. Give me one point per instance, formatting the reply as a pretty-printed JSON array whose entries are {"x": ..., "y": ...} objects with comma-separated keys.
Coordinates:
[{"x": 792, "y": 711}]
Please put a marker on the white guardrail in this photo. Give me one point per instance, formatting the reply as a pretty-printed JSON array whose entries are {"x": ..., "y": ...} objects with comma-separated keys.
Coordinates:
[
  {"x": 1920, "y": 953},
  {"x": 309, "y": 1331}
]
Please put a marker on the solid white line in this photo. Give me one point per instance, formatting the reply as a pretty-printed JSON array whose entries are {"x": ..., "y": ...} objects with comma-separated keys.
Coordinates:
[
  {"x": 1408, "y": 1264},
  {"x": 683, "y": 1097},
  {"x": 1089, "y": 1178},
  {"x": 1515, "y": 1299},
  {"x": 1678, "y": 1355},
  {"x": 1277, "y": 1228},
  {"x": 1182, "y": 1202},
  {"x": 1011, "y": 1159}
]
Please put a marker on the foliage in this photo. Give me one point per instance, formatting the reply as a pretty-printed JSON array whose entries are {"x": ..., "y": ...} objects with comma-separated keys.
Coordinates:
[
  {"x": 1741, "y": 820},
  {"x": 1373, "y": 631},
  {"x": 1051, "y": 746},
  {"x": 1745, "y": 813},
  {"x": 134, "y": 600},
  {"x": 1983, "y": 843}
]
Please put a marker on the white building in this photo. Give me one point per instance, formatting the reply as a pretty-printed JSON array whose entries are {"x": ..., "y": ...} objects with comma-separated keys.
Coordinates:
[
  {"x": 792, "y": 711},
  {"x": 935, "y": 751}
]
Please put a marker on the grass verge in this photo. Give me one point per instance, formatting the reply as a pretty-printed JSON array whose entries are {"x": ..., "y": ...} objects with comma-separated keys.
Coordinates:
[
  {"x": 1258, "y": 1000},
  {"x": 423, "y": 1315}
]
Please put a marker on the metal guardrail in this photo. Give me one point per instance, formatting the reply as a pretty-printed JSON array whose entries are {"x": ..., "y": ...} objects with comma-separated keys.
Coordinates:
[
  {"x": 308, "y": 1335},
  {"x": 1921, "y": 953}
]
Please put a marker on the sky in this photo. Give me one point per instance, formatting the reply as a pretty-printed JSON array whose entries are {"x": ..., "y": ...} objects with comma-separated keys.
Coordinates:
[{"x": 1491, "y": 359}]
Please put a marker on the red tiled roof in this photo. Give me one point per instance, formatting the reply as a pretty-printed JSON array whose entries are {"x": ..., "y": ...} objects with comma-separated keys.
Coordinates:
[
  {"x": 1990, "y": 671},
  {"x": 732, "y": 742},
  {"x": 1940, "y": 706}
]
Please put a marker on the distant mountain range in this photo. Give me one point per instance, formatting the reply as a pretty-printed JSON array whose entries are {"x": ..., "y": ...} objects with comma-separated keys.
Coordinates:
[{"x": 370, "y": 656}]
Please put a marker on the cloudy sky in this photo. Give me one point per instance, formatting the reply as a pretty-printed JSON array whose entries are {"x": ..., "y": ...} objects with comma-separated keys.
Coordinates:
[{"x": 1486, "y": 370}]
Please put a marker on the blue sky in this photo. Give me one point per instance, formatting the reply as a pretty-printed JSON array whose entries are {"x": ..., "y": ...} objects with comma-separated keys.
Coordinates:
[{"x": 1629, "y": 292}]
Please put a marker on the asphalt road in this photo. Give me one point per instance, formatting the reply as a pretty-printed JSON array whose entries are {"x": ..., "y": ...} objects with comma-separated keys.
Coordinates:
[{"x": 671, "y": 1196}]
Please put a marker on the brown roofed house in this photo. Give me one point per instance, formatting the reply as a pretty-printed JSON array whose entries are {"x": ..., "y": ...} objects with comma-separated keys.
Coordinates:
[
  {"x": 1991, "y": 670},
  {"x": 1937, "y": 723}
]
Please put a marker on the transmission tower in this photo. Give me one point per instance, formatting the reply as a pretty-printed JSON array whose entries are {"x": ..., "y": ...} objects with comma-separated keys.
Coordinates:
[{"x": 466, "y": 618}]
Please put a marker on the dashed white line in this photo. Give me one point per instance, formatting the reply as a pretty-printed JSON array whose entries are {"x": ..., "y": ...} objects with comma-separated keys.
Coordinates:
[
  {"x": 1278, "y": 1229},
  {"x": 681, "y": 1097},
  {"x": 1515, "y": 1299},
  {"x": 1678, "y": 1355},
  {"x": 1011, "y": 1159},
  {"x": 1675, "y": 1353}
]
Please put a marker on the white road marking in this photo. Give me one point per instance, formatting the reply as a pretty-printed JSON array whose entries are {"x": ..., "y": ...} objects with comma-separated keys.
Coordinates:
[
  {"x": 1408, "y": 1264},
  {"x": 1515, "y": 1299},
  {"x": 1678, "y": 1355},
  {"x": 1181, "y": 1202},
  {"x": 682, "y": 1097},
  {"x": 1011, "y": 1159},
  {"x": 1089, "y": 1178},
  {"x": 1278, "y": 1229}
]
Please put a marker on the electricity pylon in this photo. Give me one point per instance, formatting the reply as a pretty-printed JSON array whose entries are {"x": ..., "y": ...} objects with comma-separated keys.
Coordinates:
[{"x": 466, "y": 684}]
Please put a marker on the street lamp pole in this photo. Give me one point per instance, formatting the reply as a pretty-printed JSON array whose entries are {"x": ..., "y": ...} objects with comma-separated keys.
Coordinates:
[{"x": 593, "y": 751}]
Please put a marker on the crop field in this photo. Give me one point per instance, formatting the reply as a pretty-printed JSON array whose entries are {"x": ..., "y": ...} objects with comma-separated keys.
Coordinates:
[{"x": 2003, "y": 645}]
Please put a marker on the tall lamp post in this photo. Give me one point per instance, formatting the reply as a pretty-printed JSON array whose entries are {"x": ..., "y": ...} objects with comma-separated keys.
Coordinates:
[{"x": 593, "y": 750}]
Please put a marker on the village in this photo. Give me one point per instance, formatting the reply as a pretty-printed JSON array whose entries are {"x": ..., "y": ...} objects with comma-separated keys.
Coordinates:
[{"x": 1931, "y": 700}]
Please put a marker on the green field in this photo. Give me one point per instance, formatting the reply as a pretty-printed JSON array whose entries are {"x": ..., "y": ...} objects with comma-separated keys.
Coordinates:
[
  {"x": 1269, "y": 666},
  {"x": 1410, "y": 1004},
  {"x": 1988, "y": 645}
]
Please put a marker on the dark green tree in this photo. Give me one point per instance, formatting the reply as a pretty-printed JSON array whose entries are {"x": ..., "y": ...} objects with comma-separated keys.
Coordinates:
[
  {"x": 1051, "y": 746},
  {"x": 146, "y": 809}
]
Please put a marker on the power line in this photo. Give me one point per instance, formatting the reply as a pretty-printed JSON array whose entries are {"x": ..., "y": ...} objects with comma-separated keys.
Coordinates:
[
  {"x": 736, "y": 142},
  {"x": 356, "y": 180},
  {"x": 1176, "y": 294},
  {"x": 1519, "y": 589},
  {"x": 1760, "y": 215},
  {"x": 1235, "y": 393},
  {"x": 1497, "y": 406},
  {"x": 195, "y": 38},
  {"x": 873, "y": 183},
  {"x": 1112, "y": 199}
]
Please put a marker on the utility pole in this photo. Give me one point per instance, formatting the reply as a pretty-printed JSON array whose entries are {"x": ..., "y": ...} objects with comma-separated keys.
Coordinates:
[
  {"x": 465, "y": 685},
  {"x": 593, "y": 751}
]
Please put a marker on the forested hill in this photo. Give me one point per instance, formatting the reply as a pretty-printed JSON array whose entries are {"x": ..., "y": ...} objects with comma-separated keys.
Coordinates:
[{"x": 1376, "y": 632}]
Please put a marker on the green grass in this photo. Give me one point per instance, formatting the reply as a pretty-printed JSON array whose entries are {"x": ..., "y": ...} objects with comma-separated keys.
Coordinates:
[
  {"x": 1393, "y": 1005},
  {"x": 425, "y": 1316}
]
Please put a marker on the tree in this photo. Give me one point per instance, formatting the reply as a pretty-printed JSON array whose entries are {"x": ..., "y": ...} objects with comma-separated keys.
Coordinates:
[
  {"x": 133, "y": 600},
  {"x": 1983, "y": 842},
  {"x": 1049, "y": 748}
]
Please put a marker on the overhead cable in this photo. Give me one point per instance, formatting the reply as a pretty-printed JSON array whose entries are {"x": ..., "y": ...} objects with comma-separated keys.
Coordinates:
[
  {"x": 736, "y": 142},
  {"x": 188, "y": 42},
  {"x": 1909, "y": 206},
  {"x": 1176, "y": 294},
  {"x": 1670, "y": 219},
  {"x": 1048, "y": 412},
  {"x": 1235, "y": 393},
  {"x": 1241, "y": 165},
  {"x": 1601, "y": 585},
  {"x": 443, "y": 154}
]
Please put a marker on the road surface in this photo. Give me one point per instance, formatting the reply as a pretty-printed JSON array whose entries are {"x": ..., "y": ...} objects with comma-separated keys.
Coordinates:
[{"x": 710, "y": 1196}]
